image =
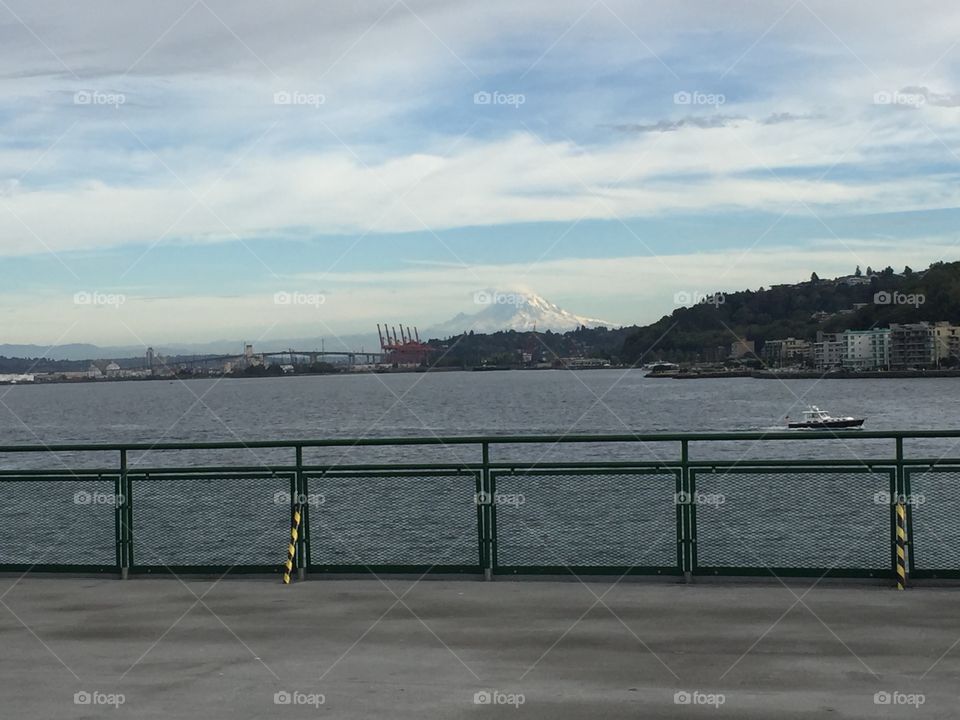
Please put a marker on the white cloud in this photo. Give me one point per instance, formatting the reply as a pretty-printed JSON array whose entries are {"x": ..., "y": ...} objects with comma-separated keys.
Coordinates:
[{"x": 517, "y": 179}]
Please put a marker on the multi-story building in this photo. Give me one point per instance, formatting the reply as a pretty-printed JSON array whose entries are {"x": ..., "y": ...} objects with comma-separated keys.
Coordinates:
[
  {"x": 742, "y": 348},
  {"x": 912, "y": 345},
  {"x": 866, "y": 349},
  {"x": 946, "y": 340},
  {"x": 828, "y": 350},
  {"x": 789, "y": 351}
]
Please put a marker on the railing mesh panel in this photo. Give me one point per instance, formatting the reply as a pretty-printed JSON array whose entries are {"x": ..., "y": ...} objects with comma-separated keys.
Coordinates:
[
  {"x": 423, "y": 519},
  {"x": 586, "y": 518},
  {"x": 58, "y": 522},
  {"x": 223, "y": 520},
  {"x": 935, "y": 510},
  {"x": 793, "y": 519}
]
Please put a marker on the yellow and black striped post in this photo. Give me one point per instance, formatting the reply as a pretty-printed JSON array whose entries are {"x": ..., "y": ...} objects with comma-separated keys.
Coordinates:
[
  {"x": 901, "y": 545},
  {"x": 292, "y": 547}
]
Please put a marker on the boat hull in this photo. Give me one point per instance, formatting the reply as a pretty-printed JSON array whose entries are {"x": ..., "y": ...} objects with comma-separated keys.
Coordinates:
[{"x": 826, "y": 424}]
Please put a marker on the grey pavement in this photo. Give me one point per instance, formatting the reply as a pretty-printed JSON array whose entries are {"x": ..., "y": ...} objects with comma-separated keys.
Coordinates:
[{"x": 361, "y": 648}]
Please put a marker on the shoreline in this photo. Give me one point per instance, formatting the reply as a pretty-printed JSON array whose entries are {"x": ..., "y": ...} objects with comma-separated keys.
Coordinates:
[{"x": 813, "y": 375}]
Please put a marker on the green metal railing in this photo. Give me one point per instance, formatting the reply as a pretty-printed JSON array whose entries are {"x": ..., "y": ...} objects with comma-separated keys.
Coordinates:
[{"x": 673, "y": 514}]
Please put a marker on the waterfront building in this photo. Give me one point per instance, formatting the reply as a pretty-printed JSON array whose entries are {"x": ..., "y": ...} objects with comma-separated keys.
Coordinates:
[
  {"x": 827, "y": 351},
  {"x": 789, "y": 351},
  {"x": 946, "y": 339},
  {"x": 912, "y": 345},
  {"x": 742, "y": 348},
  {"x": 866, "y": 349}
]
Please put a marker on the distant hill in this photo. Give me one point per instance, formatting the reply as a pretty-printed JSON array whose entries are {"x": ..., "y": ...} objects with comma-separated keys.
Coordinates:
[{"x": 800, "y": 310}]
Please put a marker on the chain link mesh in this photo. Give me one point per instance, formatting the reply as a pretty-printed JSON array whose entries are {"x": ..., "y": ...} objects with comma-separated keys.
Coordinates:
[
  {"x": 586, "y": 518},
  {"x": 226, "y": 520},
  {"x": 58, "y": 522},
  {"x": 935, "y": 507},
  {"x": 793, "y": 519},
  {"x": 396, "y": 520}
]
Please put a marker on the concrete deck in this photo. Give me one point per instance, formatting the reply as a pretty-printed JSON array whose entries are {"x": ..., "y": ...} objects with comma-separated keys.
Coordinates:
[{"x": 403, "y": 649}]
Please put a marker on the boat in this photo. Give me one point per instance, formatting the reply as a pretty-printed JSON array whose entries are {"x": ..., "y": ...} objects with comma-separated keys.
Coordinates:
[{"x": 816, "y": 419}]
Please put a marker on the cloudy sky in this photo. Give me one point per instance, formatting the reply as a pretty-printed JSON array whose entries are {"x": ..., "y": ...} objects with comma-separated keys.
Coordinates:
[{"x": 180, "y": 163}]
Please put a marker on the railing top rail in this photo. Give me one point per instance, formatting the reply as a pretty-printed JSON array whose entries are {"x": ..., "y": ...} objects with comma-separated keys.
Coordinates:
[{"x": 488, "y": 439}]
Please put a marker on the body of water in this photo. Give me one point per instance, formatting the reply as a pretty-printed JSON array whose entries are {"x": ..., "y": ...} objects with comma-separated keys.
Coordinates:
[
  {"x": 568, "y": 518},
  {"x": 461, "y": 403}
]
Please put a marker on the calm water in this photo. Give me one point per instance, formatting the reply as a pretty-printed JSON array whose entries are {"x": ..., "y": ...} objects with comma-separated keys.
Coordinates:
[
  {"x": 567, "y": 519},
  {"x": 514, "y": 402}
]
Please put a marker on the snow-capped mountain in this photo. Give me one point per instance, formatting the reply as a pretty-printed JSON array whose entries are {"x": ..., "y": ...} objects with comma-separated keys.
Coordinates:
[{"x": 521, "y": 311}]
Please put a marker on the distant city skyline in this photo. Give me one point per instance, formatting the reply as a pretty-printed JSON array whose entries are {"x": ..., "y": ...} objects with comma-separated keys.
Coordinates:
[{"x": 387, "y": 163}]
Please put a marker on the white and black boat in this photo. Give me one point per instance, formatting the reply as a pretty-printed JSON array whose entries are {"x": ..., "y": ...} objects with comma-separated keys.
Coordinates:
[{"x": 816, "y": 419}]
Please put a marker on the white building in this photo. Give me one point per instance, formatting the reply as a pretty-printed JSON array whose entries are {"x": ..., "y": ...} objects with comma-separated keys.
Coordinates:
[{"x": 866, "y": 349}]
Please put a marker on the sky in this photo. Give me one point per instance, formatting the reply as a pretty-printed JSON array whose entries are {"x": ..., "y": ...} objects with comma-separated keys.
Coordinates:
[{"x": 196, "y": 170}]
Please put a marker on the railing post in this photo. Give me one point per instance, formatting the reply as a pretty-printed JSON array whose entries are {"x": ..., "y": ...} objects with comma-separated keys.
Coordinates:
[
  {"x": 685, "y": 516},
  {"x": 304, "y": 501},
  {"x": 124, "y": 516},
  {"x": 901, "y": 546},
  {"x": 487, "y": 529}
]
